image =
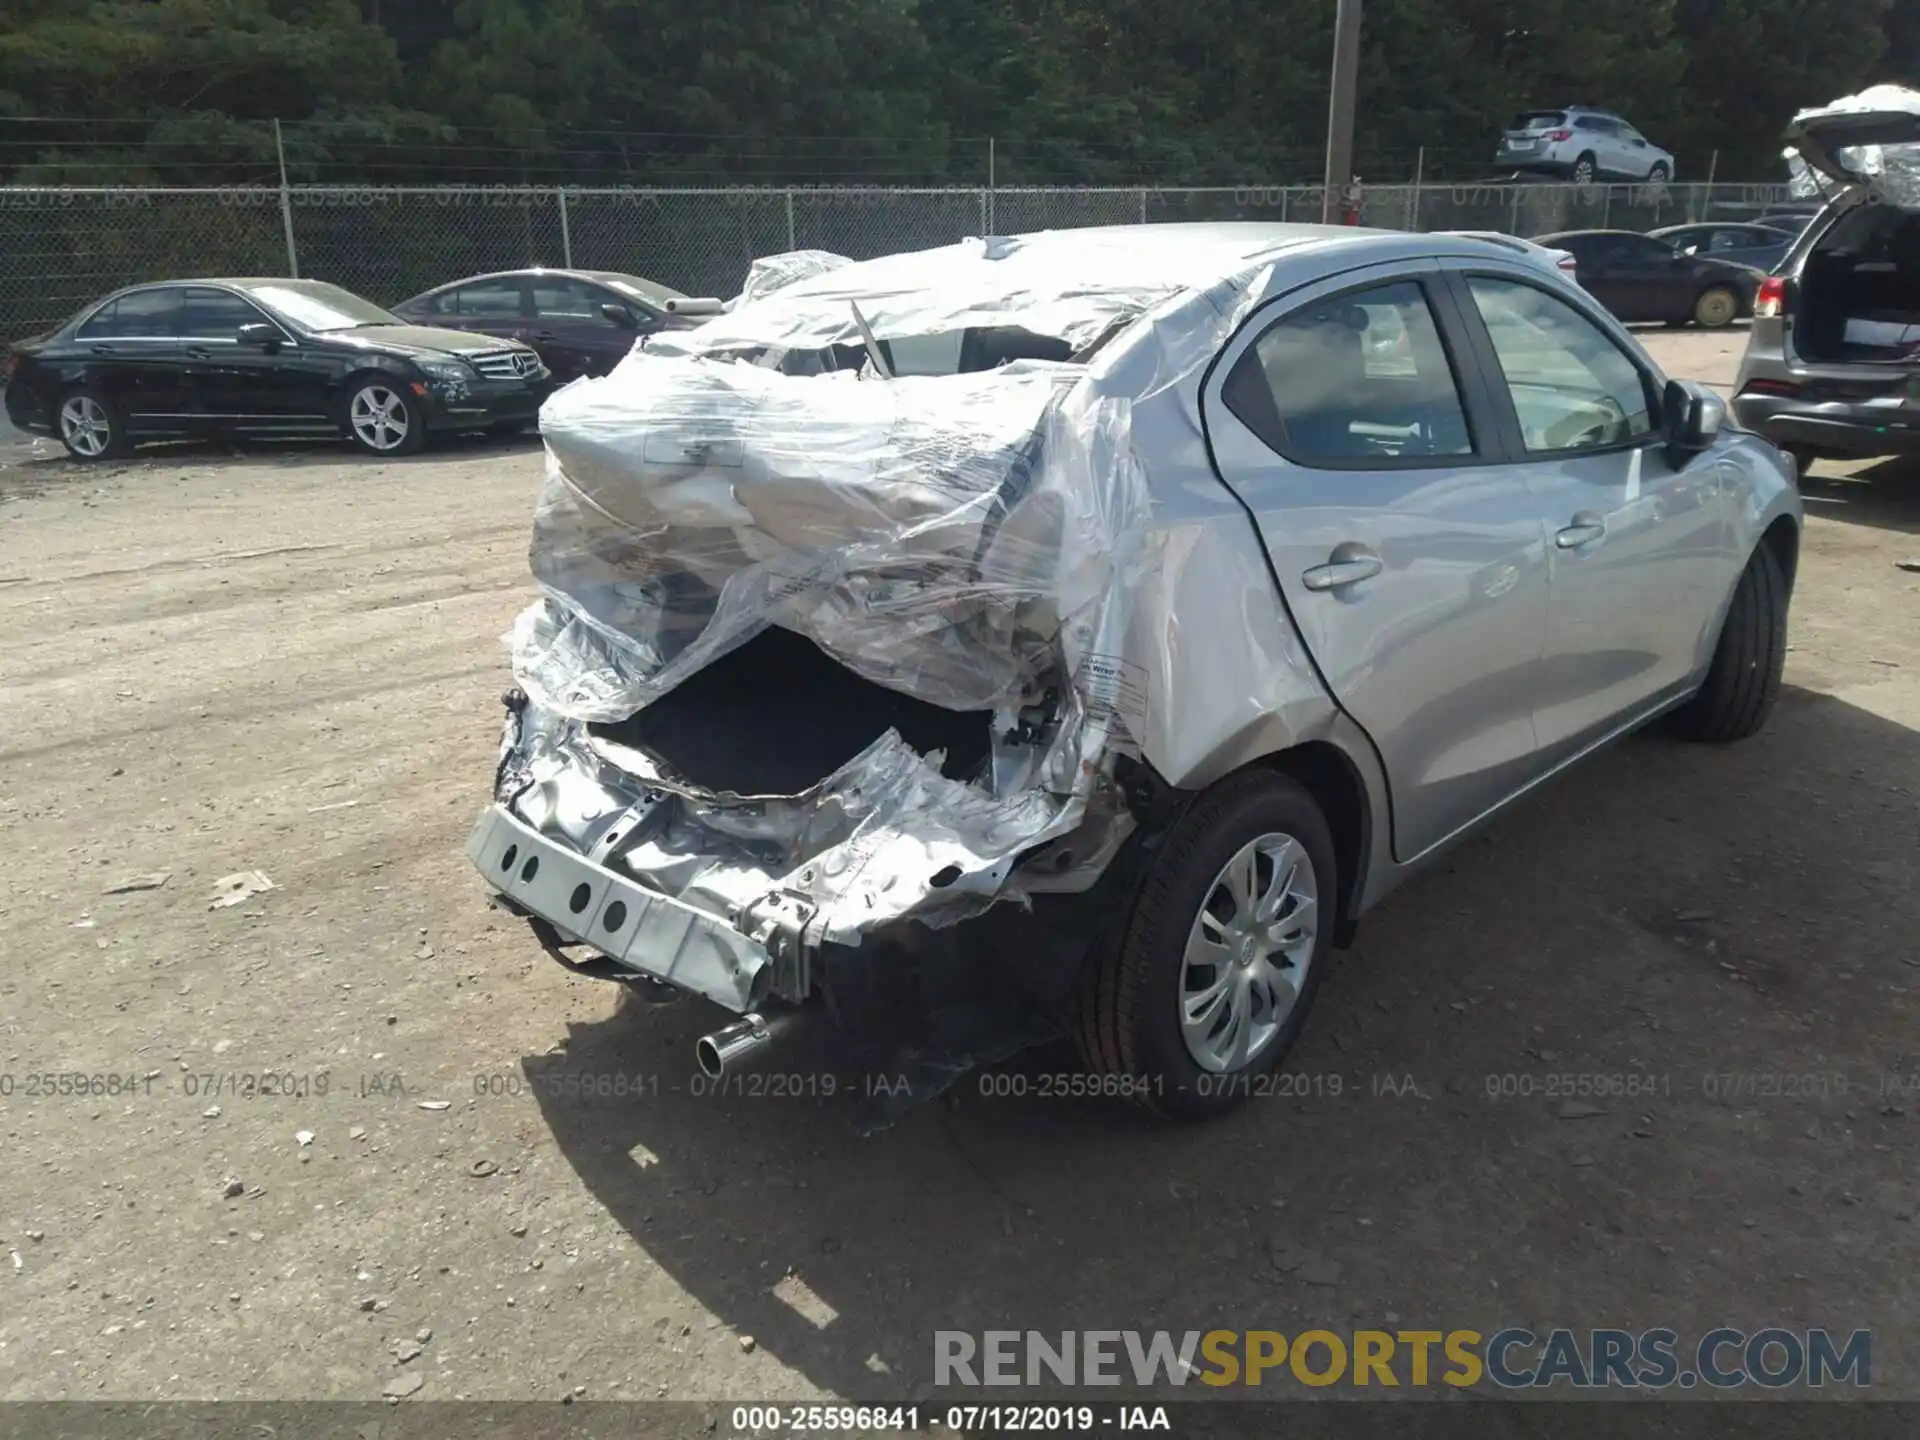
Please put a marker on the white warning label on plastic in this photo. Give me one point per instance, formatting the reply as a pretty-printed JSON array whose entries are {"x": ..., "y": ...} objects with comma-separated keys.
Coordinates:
[{"x": 1114, "y": 689}]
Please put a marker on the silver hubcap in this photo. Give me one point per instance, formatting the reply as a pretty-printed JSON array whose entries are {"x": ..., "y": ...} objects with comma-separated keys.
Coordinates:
[
  {"x": 1583, "y": 172},
  {"x": 1248, "y": 952},
  {"x": 379, "y": 417},
  {"x": 84, "y": 423},
  {"x": 1716, "y": 309}
]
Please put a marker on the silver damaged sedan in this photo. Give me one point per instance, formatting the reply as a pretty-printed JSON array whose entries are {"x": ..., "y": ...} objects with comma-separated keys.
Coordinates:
[{"x": 1077, "y": 633}]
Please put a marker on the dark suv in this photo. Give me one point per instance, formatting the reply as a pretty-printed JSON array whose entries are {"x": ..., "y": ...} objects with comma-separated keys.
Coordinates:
[{"x": 1832, "y": 366}]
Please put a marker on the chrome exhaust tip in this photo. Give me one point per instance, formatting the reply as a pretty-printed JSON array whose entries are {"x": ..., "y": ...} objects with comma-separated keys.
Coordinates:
[{"x": 728, "y": 1048}]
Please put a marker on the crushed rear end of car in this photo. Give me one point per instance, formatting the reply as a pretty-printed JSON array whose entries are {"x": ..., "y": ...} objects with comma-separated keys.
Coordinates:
[{"x": 826, "y": 659}]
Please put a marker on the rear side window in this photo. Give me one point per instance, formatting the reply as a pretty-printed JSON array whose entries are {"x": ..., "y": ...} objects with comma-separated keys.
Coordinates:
[
  {"x": 1539, "y": 120},
  {"x": 559, "y": 297},
  {"x": 483, "y": 300},
  {"x": 140, "y": 315},
  {"x": 1360, "y": 378},
  {"x": 216, "y": 315},
  {"x": 1572, "y": 387}
]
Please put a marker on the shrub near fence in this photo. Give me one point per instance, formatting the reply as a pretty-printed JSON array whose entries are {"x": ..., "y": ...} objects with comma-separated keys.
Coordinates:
[{"x": 60, "y": 248}]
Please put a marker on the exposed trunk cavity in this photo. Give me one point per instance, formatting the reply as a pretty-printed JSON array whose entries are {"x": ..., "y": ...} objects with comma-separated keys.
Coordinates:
[
  {"x": 1860, "y": 289},
  {"x": 779, "y": 714}
]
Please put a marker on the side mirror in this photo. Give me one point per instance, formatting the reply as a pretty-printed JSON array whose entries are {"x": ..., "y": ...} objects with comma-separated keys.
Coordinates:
[
  {"x": 258, "y": 333},
  {"x": 1692, "y": 420},
  {"x": 619, "y": 315},
  {"x": 1689, "y": 252}
]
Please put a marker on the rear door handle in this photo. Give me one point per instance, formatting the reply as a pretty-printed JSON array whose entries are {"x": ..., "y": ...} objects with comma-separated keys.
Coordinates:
[
  {"x": 1348, "y": 565},
  {"x": 1586, "y": 528}
]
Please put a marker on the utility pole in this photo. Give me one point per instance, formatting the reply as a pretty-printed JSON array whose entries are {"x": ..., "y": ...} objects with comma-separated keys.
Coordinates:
[
  {"x": 1340, "y": 103},
  {"x": 286, "y": 203}
]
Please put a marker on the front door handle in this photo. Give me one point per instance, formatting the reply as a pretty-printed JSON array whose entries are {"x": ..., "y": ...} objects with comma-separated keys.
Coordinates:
[
  {"x": 1586, "y": 528},
  {"x": 1349, "y": 564}
]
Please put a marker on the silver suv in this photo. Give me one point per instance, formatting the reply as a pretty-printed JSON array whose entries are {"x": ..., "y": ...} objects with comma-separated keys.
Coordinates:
[
  {"x": 1832, "y": 365},
  {"x": 1083, "y": 630},
  {"x": 1583, "y": 144}
]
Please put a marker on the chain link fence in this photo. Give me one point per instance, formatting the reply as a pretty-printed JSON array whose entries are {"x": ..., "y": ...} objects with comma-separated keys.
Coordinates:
[{"x": 60, "y": 248}]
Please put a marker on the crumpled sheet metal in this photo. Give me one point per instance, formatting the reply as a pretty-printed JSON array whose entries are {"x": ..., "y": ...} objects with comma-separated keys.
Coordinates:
[
  {"x": 883, "y": 836},
  {"x": 775, "y": 272},
  {"x": 1895, "y": 168}
]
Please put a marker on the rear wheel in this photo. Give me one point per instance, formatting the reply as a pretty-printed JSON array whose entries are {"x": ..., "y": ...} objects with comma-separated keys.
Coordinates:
[
  {"x": 1716, "y": 308},
  {"x": 1744, "y": 678},
  {"x": 1216, "y": 967},
  {"x": 382, "y": 419},
  {"x": 1659, "y": 174},
  {"x": 1583, "y": 170},
  {"x": 90, "y": 427}
]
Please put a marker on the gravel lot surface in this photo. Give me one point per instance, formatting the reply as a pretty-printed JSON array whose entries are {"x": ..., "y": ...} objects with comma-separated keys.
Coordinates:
[{"x": 288, "y": 661}]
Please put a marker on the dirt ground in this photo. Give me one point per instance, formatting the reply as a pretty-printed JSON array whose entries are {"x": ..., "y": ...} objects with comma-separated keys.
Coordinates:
[{"x": 288, "y": 661}]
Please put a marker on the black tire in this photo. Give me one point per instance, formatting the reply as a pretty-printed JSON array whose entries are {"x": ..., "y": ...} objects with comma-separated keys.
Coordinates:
[
  {"x": 1716, "y": 307},
  {"x": 1128, "y": 1025},
  {"x": 406, "y": 405},
  {"x": 1744, "y": 678},
  {"x": 90, "y": 426},
  {"x": 1584, "y": 171},
  {"x": 1659, "y": 174}
]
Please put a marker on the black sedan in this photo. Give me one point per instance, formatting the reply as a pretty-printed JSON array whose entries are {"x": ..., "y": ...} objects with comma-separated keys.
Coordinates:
[
  {"x": 583, "y": 322},
  {"x": 267, "y": 357},
  {"x": 1761, "y": 246},
  {"x": 1640, "y": 278}
]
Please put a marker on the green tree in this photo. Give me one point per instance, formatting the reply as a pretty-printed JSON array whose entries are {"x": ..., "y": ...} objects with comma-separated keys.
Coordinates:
[
  {"x": 1753, "y": 63},
  {"x": 181, "y": 88}
]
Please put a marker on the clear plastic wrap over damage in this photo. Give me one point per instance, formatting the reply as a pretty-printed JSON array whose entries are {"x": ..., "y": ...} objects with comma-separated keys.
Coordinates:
[
  {"x": 775, "y": 272},
  {"x": 967, "y": 540}
]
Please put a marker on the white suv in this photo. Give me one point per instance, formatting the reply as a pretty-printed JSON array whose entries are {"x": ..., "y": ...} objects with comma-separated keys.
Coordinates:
[{"x": 1582, "y": 144}]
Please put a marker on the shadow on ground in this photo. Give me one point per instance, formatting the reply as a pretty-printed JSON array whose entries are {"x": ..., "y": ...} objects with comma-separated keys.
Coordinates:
[
  {"x": 35, "y": 463},
  {"x": 1661, "y": 920},
  {"x": 1884, "y": 494}
]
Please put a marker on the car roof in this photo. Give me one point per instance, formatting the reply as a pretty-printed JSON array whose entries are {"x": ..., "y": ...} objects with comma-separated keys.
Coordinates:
[
  {"x": 560, "y": 270},
  {"x": 1585, "y": 234},
  {"x": 231, "y": 282},
  {"x": 1054, "y": 282}
]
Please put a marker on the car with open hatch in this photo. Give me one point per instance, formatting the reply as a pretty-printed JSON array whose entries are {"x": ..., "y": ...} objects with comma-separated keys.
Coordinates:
[
  {"x": 1077, "y": 633},
  {"x": 269, "y": 357},
  {"x": 1832, "y": 364}
]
